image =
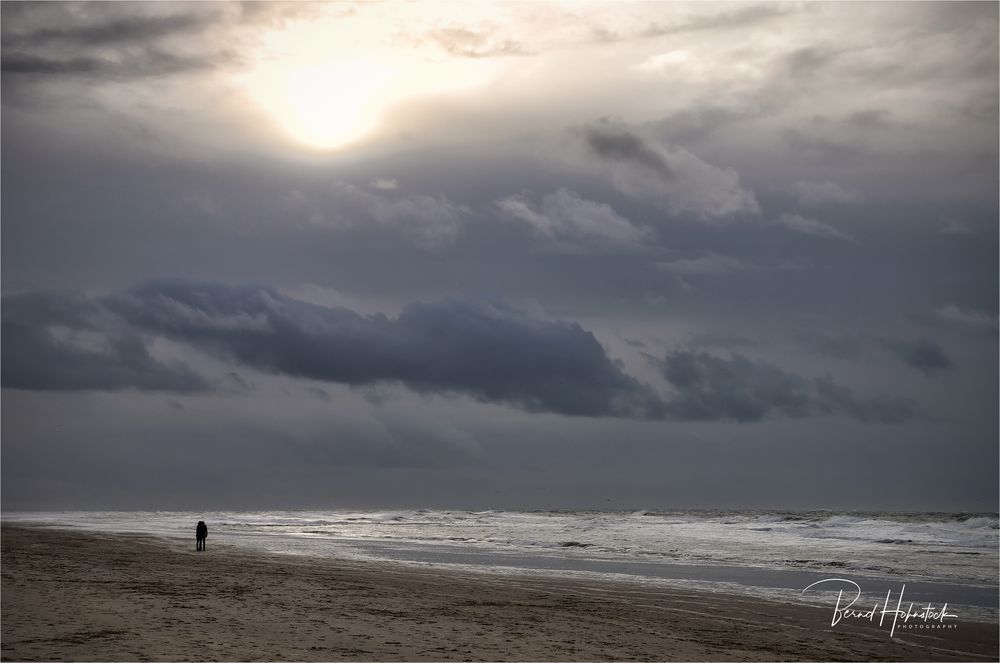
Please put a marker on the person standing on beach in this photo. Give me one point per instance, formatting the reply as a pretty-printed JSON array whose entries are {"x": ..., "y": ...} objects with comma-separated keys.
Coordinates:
[{"x": 201, "y": 533}]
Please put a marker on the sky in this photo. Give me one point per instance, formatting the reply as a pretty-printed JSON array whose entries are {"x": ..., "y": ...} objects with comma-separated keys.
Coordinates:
[{"x": 499, "y": 255}]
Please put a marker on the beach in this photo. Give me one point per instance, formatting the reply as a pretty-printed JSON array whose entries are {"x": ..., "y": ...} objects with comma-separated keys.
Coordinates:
[{"x": 85, "y": 596}]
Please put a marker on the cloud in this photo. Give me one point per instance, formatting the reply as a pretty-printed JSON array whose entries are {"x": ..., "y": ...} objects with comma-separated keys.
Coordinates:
[
  {"x": 125, "y": 29},
  {"x": 926, "y": 356},
  {"x": 720, "y": 340},
  {"x": 430, "y": 222},
  {"x": 617, "y": 144},
  {"x": 672, "y": 179},
  {"x": 821, "y": 193},
  {"x": 20, "y": 63},
  {"x": 710, "y": 263},
  {"x": 836, "y": 398},
  {"x": 806, "y": 226},
  {"x": 694, "y": 124},
  {"x": 144, "y": 63},
  {"x": 90, "y": 41},
  {"x": 57, "y": 342},
  {"x": 383, "y": 184},
  {"x": 482, "y": 42},
  {"x": 711, "y": 388},
  {"x": 805, "y": 62},
  {"x": 968, "y": 319},
  {"x": 564, "y": 216},
  {"x": 873, "y": 118},
  {"x": 662, "y": 62},
  {"x": 838, "y": 346},
  {"x": 718, "y": 20},
  {"x": 487, "y": 351},
  {"x": 838, "y": 147}
]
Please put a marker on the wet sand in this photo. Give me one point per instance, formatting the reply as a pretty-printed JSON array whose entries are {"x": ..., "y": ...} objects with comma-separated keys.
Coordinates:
[{"x": 86, "y": 597}]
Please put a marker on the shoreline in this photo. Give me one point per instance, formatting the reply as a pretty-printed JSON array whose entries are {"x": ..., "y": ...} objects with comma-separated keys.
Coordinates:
[
  {"x": 70, "y": 595},
  {"x": 974, "y": 601}
]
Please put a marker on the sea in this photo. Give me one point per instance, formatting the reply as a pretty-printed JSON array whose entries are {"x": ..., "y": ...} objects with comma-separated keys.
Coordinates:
[{"x": 918, "y": 558}]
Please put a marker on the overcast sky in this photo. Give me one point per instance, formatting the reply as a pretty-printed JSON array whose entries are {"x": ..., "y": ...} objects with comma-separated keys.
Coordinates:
[{"x": 529, "y": 255}]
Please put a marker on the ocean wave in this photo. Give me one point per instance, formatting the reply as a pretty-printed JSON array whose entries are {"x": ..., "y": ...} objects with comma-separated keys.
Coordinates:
[{"x": 960, "y": 547}]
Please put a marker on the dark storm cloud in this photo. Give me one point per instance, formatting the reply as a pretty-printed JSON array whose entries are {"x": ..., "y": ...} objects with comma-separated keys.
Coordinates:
[
  {"x": 926, "y": 356},
  {"x": 115, "y": 31},
  {"x": 65, "y": 342},
  {"x": 147, "y": 62},
  {"x": 711, "y": 388},
  {"x": 835, "y": 397},
  {"x": 922, "y": 354},
  {"x": 490, "y": 352},
  {"x": 97, "y": 42},
  {"x": 21, "y": 63},
  {"x": 487, "y": 351},
  {"x": 615, "y": 143}
]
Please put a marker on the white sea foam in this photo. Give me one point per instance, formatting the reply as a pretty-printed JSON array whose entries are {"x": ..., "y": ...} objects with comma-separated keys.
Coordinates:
[{"x": 950, "y": 548}]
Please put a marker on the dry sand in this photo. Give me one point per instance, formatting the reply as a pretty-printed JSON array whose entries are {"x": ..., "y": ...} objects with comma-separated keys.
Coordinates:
[{"x": 71, "y": 596}]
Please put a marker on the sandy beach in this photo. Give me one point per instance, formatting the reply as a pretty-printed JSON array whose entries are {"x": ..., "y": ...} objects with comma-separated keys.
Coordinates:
[{"x": 74, "y": 596}]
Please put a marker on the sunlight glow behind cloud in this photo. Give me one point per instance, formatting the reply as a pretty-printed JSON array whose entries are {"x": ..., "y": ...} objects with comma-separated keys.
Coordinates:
[{"x": 327, "y": 89}]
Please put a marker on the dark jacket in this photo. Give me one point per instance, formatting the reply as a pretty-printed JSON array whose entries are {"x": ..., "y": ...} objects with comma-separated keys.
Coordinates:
[{"x": 202, "y": 531}]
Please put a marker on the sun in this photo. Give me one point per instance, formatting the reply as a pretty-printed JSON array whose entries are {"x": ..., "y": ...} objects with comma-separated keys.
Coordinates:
[
  {"x": 329, "y": 105},
  {"x": 330, "y": 83}
]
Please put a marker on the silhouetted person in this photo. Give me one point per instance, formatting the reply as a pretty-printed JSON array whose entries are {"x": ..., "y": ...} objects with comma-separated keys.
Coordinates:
[{"x": 201, "y": 533}]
